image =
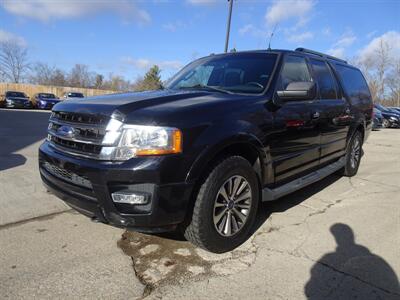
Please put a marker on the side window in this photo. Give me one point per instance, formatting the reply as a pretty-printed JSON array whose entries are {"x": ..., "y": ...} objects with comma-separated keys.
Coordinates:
[
  {"x": 324, "y": 79},
  {"x": 294, "y": 69},
  {"x": 353, "y": 83}
]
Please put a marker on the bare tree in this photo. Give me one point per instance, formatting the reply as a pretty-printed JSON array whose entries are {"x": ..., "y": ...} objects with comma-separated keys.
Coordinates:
[
  {"x": 383, "y": 61},
  {"x": 42, "y": 74},
  {"x": 99, "y": 80},
  {"x": 80, "y": 76},
  {"x": 59, "y": 78},
  {"x": 394, "y": 83},
  {"x": 13, "y": 61},
  {"x": 376, "y": 67}
]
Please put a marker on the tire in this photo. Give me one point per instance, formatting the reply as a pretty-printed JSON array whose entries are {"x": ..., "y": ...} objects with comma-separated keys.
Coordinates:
[
  {"x": 353, "y": 155},
  {"x": 208, "y": 228},
  {"x": 385, "y": 123}
]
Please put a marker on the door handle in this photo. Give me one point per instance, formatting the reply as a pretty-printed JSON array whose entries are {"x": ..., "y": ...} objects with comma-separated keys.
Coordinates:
[{"x": 316, "y": 115}]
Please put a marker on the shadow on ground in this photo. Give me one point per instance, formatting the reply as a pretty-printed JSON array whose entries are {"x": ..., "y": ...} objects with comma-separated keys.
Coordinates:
[
  {"x": 351, "y": 272},
  {"x": 19, "y": 129}
]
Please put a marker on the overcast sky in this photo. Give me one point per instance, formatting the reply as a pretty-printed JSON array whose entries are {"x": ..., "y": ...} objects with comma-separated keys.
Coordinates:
[{"x": 127, "y": 37}]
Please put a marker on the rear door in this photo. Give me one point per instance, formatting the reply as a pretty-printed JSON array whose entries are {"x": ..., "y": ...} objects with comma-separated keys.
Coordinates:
[
  {"x": 333, "y": 110},
  {"x": 296, "y": 139}
]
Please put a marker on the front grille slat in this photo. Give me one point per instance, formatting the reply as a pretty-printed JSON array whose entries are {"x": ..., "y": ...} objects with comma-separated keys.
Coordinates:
[
  {"x": 86, "y": 136},
  {"x": 67, "y": 175}
]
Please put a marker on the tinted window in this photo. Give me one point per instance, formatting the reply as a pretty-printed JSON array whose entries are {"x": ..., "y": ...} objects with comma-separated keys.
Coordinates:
[
  {"x": 47, "y": 96},
  {"x": 353, "y": 83},
  {"x": 323, "y": 76},
  {"x": 75, "y": 95},
  {"x": 15, "y": 94},
  {"x": 237, "y": 73},
  {"x": 294, "y": 69}
]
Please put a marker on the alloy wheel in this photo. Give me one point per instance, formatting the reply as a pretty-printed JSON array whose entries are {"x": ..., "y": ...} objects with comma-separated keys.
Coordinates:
[
  {"x": 355, "y": 153},
  {"x": 232, "y": 206}
]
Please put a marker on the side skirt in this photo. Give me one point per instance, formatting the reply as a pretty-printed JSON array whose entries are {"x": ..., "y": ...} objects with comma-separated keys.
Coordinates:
[{"x": 297, "y": 184}]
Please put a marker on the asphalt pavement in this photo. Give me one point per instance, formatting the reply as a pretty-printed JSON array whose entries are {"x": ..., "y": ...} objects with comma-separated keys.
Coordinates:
[{"x": 337, "y": 239}]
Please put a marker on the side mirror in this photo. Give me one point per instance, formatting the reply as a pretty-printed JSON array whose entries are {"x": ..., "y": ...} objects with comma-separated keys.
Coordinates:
[{"x": 298, "y": 90}]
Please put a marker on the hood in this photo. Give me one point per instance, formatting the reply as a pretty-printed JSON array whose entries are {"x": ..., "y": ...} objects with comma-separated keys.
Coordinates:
[
  {"x": 17, "y": 98},
  {"x": 49, "y": 99},
  {"x": 390, "y": 114},
  {"x": 127, "y": 103}
]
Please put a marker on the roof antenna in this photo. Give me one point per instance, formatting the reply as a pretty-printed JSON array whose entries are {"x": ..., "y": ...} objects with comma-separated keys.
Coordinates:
[{"x": 270, "y": 37}]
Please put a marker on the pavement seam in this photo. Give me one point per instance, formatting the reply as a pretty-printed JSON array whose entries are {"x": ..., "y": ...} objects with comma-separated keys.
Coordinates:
[{"x": 40, "y": 218}]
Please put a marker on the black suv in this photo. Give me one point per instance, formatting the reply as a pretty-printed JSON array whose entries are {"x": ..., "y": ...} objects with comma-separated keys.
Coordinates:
[{"x": 227, "y": 132}]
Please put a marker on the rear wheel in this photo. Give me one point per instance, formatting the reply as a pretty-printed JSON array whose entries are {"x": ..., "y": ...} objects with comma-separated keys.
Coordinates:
[
  {"x": 353, "y": 155},
  {"x": 225, "y": 207}
]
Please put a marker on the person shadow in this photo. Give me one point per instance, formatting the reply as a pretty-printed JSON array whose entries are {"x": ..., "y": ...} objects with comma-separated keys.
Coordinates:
[{"x": 352, "y": 271}]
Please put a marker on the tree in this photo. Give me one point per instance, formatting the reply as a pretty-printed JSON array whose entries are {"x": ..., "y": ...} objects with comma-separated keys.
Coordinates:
[
  {"x": 99, "y": 81},
  {"x": 13, "y": 61},
  {"x": 151, "y": 80},
  {"x": 59, "y": 78},
  {"x": 42, "y": 74},
  {"x": 80, "y": 76},
  {"x": 394, "y": 83},
  {"x": 376, "y": 66}
]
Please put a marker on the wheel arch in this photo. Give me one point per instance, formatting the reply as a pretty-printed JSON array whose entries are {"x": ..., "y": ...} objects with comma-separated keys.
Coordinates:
[{"x": 245, "y": 145}]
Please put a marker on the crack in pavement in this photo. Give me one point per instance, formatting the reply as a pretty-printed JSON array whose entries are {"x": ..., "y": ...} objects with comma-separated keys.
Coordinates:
[{"x": 35, "y": 219}]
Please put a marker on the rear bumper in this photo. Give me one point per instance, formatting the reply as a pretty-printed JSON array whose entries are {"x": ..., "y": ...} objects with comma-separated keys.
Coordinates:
[{"x": 168, "y": 201}]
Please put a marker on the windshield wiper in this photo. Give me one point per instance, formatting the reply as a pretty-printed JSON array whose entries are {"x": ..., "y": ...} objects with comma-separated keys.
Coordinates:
[{"x": 207, "y": 87}]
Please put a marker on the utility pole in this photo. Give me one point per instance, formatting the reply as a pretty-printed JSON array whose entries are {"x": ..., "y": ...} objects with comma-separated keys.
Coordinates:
[{"x": 228, "y": 27}]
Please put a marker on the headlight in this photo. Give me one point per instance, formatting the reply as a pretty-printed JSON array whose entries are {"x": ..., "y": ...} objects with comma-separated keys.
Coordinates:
[
  {"x": 393, "y": 118},
  {"x": 9, "y": 101},
  {"x": 140, "y": 140}
]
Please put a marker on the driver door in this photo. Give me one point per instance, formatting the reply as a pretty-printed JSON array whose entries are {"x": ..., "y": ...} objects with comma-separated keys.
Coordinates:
[{"x": 295, "y": 143}]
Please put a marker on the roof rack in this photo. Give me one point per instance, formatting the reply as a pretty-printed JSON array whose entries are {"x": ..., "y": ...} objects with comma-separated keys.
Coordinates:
[{"x": 304, "y": 50}]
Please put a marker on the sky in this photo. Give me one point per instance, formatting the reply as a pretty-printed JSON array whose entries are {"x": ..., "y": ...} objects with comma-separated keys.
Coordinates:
[{"x": 126, "y": 37}]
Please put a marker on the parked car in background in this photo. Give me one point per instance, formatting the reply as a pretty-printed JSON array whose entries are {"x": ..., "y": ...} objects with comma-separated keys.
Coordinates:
[
  {"x": 396, "y": 109},
  {"x": 228, "y": 132},
  {"x": 73, "y": 95},
  {"x": 45, "y": 100},
  {"x": 391, "y": 119},
  {"x": 12, "y": 99},
  {"x": 378, "y": 119}
]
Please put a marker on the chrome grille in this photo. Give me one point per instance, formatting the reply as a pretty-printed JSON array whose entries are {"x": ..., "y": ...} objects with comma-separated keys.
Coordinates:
[
  {"x": 67, "y": 175},
  {"x": 77, "y": 134}
]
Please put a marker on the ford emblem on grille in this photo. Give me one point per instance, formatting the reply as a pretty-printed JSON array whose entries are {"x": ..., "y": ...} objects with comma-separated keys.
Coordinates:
[{"x": 66, "y": 131}]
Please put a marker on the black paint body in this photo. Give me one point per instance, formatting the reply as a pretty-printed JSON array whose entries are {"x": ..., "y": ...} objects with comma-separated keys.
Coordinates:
[{"x": 286, "y": 137}]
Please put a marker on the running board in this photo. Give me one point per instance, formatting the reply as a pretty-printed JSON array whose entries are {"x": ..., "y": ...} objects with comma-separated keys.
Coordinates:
[{"x": 273, "y": 194}]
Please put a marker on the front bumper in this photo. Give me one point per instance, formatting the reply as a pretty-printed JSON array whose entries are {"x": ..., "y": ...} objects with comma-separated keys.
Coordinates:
[
  {"x": 18, "y": 105},
  {"x": 377, "y": 123},
  {"x": 45, "y": 105},
  {"x": 393, "y": 122},
  {"x": 168, "y": 200}
]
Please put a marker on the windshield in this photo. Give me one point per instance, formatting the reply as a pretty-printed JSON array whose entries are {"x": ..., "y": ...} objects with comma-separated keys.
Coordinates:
[
  {"x": 75, "y": 95},
  {"x": 247, "y": 73},
  {"x": 15, "y": 94},
  {"x": 381, "y": 108},
  {"x": 47, "y": 96}
]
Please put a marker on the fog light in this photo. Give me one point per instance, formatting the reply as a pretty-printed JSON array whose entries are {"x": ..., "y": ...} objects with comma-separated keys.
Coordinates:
[{"x": 130, "y": 198}]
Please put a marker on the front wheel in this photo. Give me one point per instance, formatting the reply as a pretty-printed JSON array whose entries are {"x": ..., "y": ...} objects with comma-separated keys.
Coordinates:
[
  {"x": 385, "y": 123},
  {"x": 225, "y": 207},
  {"x": 353, "y": 155}
]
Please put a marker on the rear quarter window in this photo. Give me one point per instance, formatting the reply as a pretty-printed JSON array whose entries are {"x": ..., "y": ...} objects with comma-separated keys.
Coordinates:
[{"x": 354, "y": 84}]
